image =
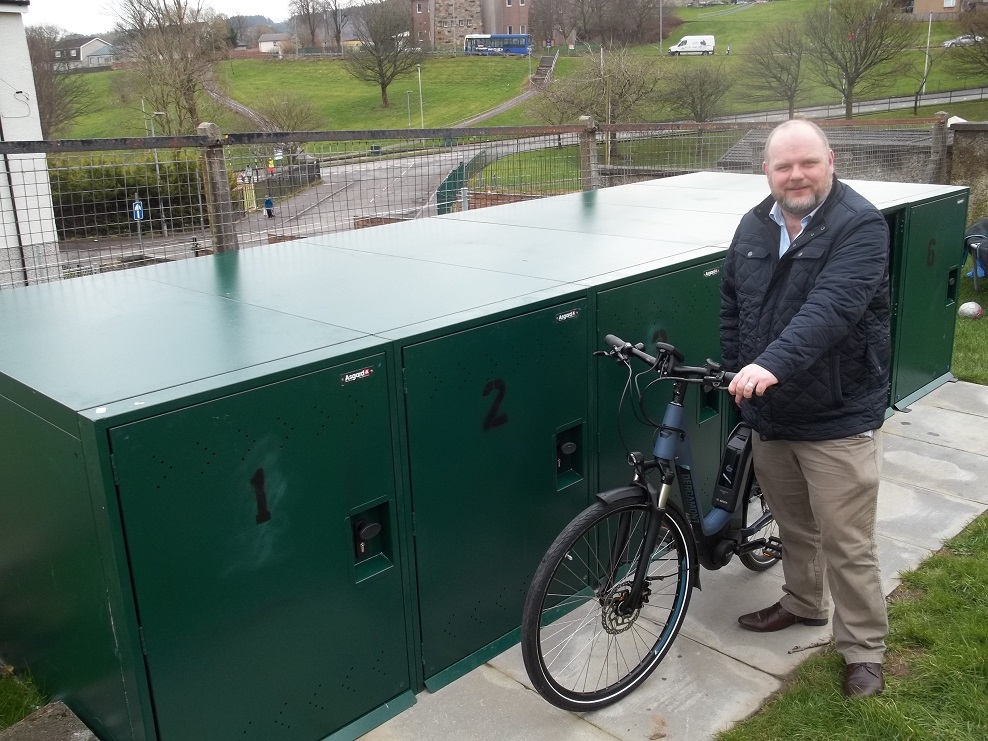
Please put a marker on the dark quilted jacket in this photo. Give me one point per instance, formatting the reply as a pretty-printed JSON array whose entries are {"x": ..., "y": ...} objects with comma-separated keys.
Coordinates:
[{"x": 818, "y": 319}]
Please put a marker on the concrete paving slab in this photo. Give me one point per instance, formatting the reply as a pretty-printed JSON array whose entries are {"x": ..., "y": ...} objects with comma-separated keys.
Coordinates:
[
  {"x": 947, "y": 427},
  {"x": 896, "y": 557},
  {"x": 486, "y": 705},
  {"x": 922, "y": 517},
  {"x": 937, "y": 467},
  {"x": 960, "y": 396},
  {"x": 694, "y": 693},
  {"x": 733, "y": 591}
]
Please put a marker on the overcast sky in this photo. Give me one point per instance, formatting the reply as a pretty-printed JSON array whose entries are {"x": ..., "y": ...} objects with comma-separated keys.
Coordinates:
[{"x": 86, "y": 17}]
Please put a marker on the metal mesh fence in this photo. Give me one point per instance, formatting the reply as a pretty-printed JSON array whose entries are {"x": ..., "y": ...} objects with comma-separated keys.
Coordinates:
[{"x": 77, "y": 207}]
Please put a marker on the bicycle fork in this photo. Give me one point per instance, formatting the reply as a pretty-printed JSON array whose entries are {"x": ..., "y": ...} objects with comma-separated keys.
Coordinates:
[{"x": 628, "y": 600}]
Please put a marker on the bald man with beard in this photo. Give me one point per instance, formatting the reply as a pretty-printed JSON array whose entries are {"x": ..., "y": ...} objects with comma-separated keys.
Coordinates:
[{"x": 805, "y": 323}]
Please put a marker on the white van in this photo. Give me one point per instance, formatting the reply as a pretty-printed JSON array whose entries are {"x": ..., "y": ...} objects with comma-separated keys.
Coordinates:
[{"x": 693, "y": 45}]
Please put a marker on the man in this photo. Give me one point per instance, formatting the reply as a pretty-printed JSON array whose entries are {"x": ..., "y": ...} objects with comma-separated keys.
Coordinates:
[{"x": 805, "y": 322}]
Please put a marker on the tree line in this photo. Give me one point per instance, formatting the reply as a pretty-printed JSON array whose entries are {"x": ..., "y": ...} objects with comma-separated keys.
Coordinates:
[{"x": 853, "y": 47}]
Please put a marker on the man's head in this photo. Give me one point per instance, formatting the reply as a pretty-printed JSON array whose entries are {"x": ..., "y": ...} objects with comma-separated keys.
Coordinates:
[{"x": 799, "y": 165}]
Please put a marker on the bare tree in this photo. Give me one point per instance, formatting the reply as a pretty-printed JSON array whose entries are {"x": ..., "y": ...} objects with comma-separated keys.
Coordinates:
[
  {"x": 288, "y": 111},
  {"x": 172, "y": 44},
  {"x": 308, "y": 14},
  {"x": 239, "y": 29},
  {"x": 973, "y": 58},
  {"x": 385, "y": 50},
  {"x": 920, "y": 74},
  {"x": 854, "y": 45},
  {"x": 62, "y": 96},
  {"x": 773, "y": 65},
  {"x": 613, "y": 87},
  {"x": 336, "y": 18},
  {"x": 696, "y": 91}
]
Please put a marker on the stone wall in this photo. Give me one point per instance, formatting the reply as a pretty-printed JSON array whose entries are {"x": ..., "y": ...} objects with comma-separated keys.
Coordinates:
[{"x": 969, "y": 165}]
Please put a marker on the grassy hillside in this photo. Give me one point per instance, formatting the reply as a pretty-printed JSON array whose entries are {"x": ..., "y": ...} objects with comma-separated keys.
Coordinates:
[{"x": 456, "y": 88}]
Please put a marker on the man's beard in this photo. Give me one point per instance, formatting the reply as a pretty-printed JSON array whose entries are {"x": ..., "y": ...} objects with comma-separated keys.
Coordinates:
[{"x": 800, "y": 206}]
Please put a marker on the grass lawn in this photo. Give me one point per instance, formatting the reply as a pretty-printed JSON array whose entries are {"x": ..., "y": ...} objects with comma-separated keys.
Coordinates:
[
  {"x": 936, "y": 678},
  {"x": 17, "y": 698},
  {"x": 970, "y": 357}
]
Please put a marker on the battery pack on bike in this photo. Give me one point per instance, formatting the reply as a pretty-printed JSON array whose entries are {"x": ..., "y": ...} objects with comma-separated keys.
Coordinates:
[{"x": 730, "y": 478}]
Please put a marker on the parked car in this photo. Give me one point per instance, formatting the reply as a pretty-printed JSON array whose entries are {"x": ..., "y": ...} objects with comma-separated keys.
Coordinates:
[{"x": 965, "y": 40}]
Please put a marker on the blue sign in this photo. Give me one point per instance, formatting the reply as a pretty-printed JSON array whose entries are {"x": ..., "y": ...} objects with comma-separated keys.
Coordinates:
[{"x": 138, "y": 210}]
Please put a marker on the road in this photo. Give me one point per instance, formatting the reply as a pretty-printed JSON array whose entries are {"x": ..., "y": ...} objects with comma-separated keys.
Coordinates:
[{"x": 402, "y": 187}]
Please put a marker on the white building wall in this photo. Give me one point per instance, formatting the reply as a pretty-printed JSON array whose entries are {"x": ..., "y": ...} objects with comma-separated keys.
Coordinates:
[{"x": 28, "y": 242}]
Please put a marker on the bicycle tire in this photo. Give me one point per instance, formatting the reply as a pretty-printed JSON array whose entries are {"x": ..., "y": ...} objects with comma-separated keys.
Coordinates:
[
  {"x": 579, "y": 652},
  {"x": 754, "y": 507}
]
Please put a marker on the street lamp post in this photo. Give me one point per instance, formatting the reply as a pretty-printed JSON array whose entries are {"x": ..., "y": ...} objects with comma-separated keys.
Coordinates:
[
  {"x": 421, "y": 104},
  {"x": 408, "y": 106},
  {"x": 157, "y": 173},
  {"x": 926, "y": 65}
]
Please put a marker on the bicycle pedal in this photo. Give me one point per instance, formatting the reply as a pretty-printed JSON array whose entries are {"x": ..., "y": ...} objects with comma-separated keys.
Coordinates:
[{"x": 773, "y": 547}]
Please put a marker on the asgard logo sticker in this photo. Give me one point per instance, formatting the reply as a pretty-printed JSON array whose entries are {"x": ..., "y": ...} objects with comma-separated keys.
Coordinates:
[
  {"x": 356, "y": 375},
  {"x": 567, "y": 315},
  {"x": 712, "y": 272}
]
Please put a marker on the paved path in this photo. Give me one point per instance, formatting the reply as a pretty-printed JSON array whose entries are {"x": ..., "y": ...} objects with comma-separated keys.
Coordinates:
[{"x": 717, "y": 673}]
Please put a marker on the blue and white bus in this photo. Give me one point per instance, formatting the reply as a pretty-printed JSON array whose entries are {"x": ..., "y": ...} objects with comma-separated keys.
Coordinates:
[{"x": 497, "y": 44}]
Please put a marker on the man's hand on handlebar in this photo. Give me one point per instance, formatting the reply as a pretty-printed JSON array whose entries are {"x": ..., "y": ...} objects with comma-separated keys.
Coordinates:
[{"x": 752, "y": 380}]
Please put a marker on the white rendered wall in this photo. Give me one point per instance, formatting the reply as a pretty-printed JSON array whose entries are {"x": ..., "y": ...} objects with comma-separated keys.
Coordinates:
[{"x": 28, "y": 242}]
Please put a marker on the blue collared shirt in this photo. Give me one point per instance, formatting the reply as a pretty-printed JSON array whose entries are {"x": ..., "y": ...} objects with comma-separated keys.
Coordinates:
[{"x": 778, "y": 218}]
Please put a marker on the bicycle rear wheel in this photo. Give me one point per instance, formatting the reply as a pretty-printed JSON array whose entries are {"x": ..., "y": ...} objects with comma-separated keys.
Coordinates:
[
  {"x": 756, "y": 507},
  {"x": 581, "y": 650}
]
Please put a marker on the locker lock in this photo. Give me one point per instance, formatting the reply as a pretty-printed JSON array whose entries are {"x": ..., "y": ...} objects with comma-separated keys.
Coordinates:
[
  {"x": 565, "y": 450},
  {"x": 364, "y": 531}
]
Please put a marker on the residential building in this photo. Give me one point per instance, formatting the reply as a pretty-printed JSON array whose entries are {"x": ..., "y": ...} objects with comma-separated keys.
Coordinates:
[
  {"x": 83, "y": 51},
  {"x": 273, "y": 43},
  {"x": 442, "y": 24}
]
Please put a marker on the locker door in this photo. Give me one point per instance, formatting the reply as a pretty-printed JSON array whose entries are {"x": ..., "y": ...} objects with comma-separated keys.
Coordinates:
[
  {"x": 927, "y": 295},
  {"x": 680, "y": 308},
  {"x": 491, "y": 412},
  {"x": 260, "y": 620}
]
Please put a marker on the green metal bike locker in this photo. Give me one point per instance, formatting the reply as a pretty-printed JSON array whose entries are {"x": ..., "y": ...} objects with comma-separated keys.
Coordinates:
[
  {"x": 449, "y": 359},
  {"x": 925, "y": 271},
  {"x": 491, "y": 366},
  {"x": 200, "y": 513}
]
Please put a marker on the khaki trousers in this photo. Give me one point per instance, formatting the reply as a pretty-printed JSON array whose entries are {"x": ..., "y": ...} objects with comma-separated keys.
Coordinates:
[{"x": 824, "y": 495}]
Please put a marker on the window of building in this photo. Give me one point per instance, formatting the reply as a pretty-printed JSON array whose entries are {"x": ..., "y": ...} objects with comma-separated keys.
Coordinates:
[
  {"x": 949, "y": 3},
  {"x": 58, "y": 54},
  {"x": 418, "y": 7},
  {"x": 523, "y": 29},
  {"x": 521, "y": 2},
  {"x": 74, "y": 52},
  {"x": 509, "y": 5},
  {"x": 509, "y": 30}
]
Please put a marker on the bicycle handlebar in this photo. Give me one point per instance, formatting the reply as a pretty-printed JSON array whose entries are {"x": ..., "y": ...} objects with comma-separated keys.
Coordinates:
[{"x": 710, "y": 374}]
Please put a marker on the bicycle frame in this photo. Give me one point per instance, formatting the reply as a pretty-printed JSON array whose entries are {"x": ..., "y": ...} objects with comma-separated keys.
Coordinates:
[{"x": 719, "y": 534}]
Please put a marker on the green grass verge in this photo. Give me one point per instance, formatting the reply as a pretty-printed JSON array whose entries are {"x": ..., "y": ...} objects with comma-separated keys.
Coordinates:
[
  {"x": 936, "y": 666},
  {"x": 117, "y": 110},
  {"x": 970, "y": 357},
  {"x": 18, "y": 699},
  {"x": 453, "y": 89}
]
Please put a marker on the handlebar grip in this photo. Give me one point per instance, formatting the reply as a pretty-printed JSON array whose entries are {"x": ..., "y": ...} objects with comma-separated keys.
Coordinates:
[
  {"x": 614, "y": 341},
  {"x": 728, "y": 377}
]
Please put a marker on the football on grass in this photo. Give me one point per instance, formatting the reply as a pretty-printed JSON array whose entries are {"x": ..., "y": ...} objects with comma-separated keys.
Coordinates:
[{"x": 971, "y": 310}]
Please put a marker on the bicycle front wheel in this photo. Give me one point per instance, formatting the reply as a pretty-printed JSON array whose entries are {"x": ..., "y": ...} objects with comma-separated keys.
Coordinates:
[{"x": 583, "y": 649}]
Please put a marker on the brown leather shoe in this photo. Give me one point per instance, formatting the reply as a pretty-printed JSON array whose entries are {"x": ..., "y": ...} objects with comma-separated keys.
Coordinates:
[
  {"x": 775, "y": 618},
  {"x": 863, "y": 680}
]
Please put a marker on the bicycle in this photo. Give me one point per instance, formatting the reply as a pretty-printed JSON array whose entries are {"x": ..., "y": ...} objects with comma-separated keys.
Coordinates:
[{"x": 611, "y": 593}]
